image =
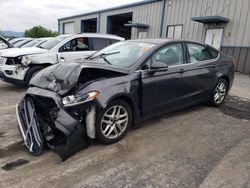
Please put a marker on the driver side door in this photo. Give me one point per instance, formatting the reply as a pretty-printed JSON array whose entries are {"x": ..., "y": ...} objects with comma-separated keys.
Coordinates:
[
  {"x": 162, "y": 90},
  {"x": 75, "y": 49}
]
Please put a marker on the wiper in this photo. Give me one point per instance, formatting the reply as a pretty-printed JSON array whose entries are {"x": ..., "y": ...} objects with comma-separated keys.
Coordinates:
[{"x": 103, "y": 56}]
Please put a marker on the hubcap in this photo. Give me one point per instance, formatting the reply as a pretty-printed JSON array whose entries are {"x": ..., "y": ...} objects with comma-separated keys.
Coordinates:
[
  {"x": 220, "y": 93},
  {"x": 114, "y": 122}
]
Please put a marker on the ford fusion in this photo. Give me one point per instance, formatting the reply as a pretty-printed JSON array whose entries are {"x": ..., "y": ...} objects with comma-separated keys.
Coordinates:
[{"x": 69, "y": 105}]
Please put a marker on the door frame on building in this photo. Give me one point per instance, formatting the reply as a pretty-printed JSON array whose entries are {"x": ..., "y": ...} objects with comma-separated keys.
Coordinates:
[
  {"x": 216, "y": 28},
  {"x": 82, "y": 24},
  {"x": 111, "y": 15}
]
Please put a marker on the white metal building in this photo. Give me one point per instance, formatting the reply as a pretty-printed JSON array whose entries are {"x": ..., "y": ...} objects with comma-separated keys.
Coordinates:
[{"x": 225, "y": 24}]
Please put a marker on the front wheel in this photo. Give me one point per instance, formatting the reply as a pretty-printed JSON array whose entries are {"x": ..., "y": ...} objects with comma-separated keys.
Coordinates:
[
  {"x": 219, "y": 92},
  {"x": 31, "y": 73},
  {"x": 113, "y": 122}
]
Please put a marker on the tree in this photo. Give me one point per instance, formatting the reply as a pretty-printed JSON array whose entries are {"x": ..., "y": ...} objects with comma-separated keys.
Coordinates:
[{"x": 39, "y": 31}]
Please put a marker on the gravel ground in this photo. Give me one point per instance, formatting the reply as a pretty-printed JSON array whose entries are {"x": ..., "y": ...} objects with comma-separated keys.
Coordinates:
[{"x": 197, "y": 147}]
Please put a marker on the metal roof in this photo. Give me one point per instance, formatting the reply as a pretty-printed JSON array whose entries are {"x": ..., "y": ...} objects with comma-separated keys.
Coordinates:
[
  {"x": 210, "y": 19},
  {"x": 110, "y": 9}
]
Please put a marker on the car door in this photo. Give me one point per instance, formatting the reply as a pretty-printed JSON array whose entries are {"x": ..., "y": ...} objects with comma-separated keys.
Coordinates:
[
  {"x": 162, "y": 90},
  {"x": 75, "y": 49},
  {"x": 198, "y": 73}
]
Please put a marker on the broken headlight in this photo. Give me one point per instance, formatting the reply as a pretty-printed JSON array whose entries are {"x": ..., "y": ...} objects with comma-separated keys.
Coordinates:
[
  {"x": 25, "y": 60},
  {"x": 73, "y": 100}
]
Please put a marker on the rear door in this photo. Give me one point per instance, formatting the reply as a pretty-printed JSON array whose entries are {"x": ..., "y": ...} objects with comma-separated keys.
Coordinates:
[{"x": 198, "y": 73}]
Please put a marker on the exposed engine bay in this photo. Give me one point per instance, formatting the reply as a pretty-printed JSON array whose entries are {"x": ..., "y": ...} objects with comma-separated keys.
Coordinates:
[{"x": 44, "y": 119}]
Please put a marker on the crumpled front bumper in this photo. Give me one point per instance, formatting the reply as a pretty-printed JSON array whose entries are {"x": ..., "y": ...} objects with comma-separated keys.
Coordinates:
[{"x": 40, "y": 125}]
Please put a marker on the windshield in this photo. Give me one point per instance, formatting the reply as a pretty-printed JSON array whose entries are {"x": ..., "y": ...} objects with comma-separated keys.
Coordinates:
[
  {"x": 14, "y": 41},
  {"x": 31, "y": 43},
  {"x": 123, "y": 54},
  {"x": 21, "y": 43},
  {"x": 53, "y": 42}
]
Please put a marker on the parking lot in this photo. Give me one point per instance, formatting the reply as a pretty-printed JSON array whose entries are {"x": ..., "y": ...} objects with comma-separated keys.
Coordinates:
[{"x": 197, "y": 147}]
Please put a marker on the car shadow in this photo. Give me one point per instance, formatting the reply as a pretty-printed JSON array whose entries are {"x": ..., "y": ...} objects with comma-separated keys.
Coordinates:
[
  {"x": 157, "y": 118},
  {"x": 12, "y": 87}
]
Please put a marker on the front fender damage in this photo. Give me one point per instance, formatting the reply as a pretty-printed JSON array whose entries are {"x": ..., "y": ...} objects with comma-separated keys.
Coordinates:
[{"x": 55, "y": 128}]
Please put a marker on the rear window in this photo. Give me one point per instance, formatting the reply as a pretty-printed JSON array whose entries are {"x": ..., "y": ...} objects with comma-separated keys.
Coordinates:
[
  {"x": 199, "y": 53},
  {"x": 99, "y": 43}
]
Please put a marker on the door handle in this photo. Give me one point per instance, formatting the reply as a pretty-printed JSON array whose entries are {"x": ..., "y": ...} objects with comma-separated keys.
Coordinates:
[
  {"x": 214, "y": 65},
  {"x": 181, "y": 70},
  {"x": 62, "y": 59}
]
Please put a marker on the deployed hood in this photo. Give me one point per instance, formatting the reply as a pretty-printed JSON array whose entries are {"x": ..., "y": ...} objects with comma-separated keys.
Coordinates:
[
  {"x": 62, "y": 77},
  {"x": 15, "y": 52}
]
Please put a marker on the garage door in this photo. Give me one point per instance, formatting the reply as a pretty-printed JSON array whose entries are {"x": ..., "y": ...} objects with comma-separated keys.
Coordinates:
[{"x": 69, "y": 28}]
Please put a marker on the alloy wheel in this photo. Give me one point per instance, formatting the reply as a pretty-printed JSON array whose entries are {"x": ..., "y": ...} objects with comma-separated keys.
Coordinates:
[
  {"x": 220, "y": 92},
  {"x": 114, "y": 122}
]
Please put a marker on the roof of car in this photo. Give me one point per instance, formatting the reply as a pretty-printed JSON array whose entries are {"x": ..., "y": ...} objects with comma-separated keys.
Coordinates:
[
  {"x": 156, "y": 40},
  {"x": 94, "y": 35},
  {"x": 164, "y": 40}
]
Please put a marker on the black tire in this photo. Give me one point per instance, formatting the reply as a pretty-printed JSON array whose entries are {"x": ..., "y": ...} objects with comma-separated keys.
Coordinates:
[
  {"x": 32, "y": 72},
  {"x": 125, "y": 108},
  {"x": 212, "y": 100}
]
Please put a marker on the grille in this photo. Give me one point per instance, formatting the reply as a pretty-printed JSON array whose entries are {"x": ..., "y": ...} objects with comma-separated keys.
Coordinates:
[{"x": 46, "y": 107}]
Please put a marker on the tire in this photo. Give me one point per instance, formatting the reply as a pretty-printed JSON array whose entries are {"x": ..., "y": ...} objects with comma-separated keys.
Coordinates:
[
  {"x": 31, "y": 73},
  {"x": 219, "y": 93},
  {"x": 109, "y": 133}
]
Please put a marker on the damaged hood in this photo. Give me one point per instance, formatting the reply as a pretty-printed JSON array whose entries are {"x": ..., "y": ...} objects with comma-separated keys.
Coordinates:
[
  {"x": 15, "y": 52},
  {"x": 62, "y": 77}
]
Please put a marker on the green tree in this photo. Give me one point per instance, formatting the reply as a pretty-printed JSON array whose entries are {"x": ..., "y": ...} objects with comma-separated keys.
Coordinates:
[{"x": 39, "y": 31}]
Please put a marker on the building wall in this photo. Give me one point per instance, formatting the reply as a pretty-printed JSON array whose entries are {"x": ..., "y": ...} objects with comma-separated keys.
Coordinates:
[{"x": 236, "y": 37}]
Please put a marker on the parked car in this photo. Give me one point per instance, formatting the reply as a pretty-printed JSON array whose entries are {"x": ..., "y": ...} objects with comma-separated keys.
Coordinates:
[
  {"x": 36, "y": 42},
  {"x": 118, "y": 87},
  {"x": 4, "y": 44},
  {"x": 15, "y": 40},
  {"x": 19, "y": 66},
  {"x": 16, "y": 43},
  {"x": 22, "y": 42}
]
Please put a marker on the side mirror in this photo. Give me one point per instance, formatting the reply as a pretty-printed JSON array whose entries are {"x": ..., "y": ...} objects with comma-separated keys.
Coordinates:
[{"x": 158, "y": 66}]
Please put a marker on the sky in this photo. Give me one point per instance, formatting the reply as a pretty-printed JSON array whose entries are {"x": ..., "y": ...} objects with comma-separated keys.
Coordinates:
[{"x": 18, "y": 15}]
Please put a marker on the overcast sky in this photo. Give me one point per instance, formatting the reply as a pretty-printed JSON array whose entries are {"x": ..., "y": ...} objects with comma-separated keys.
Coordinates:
[{"x": 18, "y": 15}]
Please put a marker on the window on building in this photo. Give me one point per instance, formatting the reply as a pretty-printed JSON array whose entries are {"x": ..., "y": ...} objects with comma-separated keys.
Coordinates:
[
  {"x": 199, "y": 53},
  {"x": 174, "y": 31}
]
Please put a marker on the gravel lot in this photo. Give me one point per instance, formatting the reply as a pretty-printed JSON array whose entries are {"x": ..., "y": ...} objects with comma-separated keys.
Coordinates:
[{"x": 197, "y": 147}]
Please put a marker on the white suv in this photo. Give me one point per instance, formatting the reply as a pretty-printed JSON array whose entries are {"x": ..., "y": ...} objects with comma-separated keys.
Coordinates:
[{"x": 18, "y": 66}]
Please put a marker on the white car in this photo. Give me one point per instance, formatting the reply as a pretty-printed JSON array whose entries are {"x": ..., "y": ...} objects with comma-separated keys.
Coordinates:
[
  {"x": 18, "y": 66},
  {"x": 4, "y": 44}
]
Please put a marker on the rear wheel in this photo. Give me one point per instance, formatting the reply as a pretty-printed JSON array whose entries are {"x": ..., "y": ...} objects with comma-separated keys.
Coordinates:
[
  {"x": 31, "y": 73},
  {"x": 113, "y": 122},
  {"x": 219, "y": 92}
]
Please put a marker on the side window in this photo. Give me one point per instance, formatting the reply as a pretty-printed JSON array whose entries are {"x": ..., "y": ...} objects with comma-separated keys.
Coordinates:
[
  {"x": 99, "y": 43},
  {"x": 199, "y": 53},
  {"x": 113, "y": 41},
  {"x": 75, "y": 45},
  {"x": 171, "y": 55}
]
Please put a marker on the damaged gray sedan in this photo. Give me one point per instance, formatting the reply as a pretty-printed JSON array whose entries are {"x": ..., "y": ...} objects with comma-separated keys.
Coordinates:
[{"x": 67, "y": 105}]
